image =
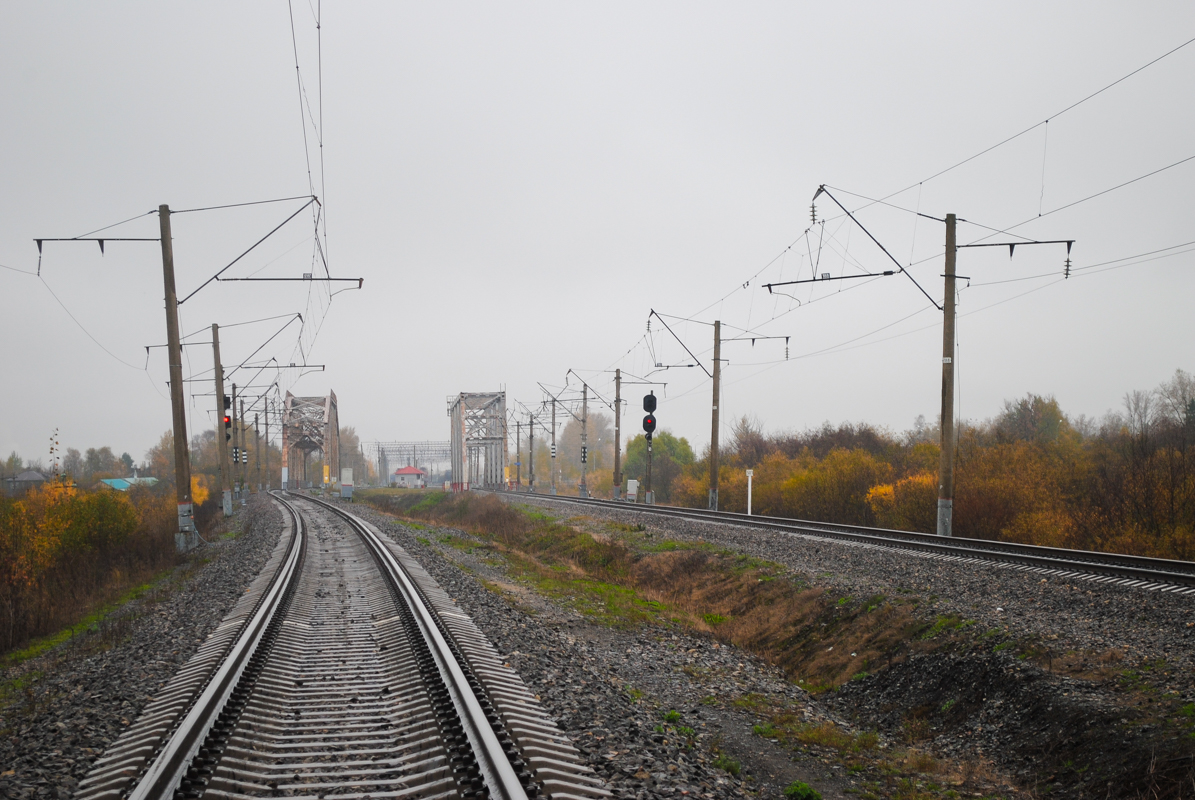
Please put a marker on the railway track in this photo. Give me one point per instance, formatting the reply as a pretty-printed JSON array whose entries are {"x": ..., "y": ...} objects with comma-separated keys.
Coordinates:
[
  {"x": 1151, "y": 574},
  {"x": 344, "y": 671}
]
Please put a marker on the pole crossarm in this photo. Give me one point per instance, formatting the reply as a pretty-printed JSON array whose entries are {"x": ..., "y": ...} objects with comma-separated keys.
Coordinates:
[
  {"x": 605, "y": 402},
  {"x": 682, "y": 344},
  {"x": 825, "y": 278},
  {"x": 359, "y": 281},
  {"x": 100, "y": 239},
  {"x": 556, "y": 397},
  {"x": 247, "y": 252},
  {"x": 822, "y": 190}
]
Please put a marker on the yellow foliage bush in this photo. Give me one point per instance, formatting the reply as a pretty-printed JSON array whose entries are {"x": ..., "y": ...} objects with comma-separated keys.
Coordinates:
[
  {"x": 908, "y": 505},
  {"x": 199, "y": 489},
  {"x": 59, "y": 546}
]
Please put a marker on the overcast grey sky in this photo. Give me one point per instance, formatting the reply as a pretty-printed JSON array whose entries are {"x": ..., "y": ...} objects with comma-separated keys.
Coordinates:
[{"x": 520, "y": 184}]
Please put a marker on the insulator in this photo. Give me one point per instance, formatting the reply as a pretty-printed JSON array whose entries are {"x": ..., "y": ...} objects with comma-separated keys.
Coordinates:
[
  {"x": 813, "y": 213},
  {"x": 1066, "y": 273}
]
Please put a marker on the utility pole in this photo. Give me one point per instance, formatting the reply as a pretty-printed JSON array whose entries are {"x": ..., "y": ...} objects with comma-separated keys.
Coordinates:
[
  {"x": 584, "y": 437},
  {"x": 518, "y": 454},
  {"x": 531, "y": 456},
  {"x": 553, "y": 445},
  {"x": 244, "y": 457},
  {"x": 946, "y": 470},
  {"x": 221, "y": 441},
  {"x": 187, "y": 537},
  {"x": 714, "y": 426},
  {"x": 617, "y": 441},
  {"x": 236, "y": 446},
  {"x": 267, "y": 444},
  {"x": 257, "y": 450}
]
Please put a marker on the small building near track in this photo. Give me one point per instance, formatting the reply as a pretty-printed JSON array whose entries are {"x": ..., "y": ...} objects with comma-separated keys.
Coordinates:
[
  {"x": 18, "y": 485},
  {"x": 409, "y": 478}
]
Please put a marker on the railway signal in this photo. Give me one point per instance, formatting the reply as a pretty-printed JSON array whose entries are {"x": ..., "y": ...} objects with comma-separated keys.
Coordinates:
[
  {"x": 649, "y": 425},
  {"x": 584, "y": 454},
  {"x": 236, "y": 455},
  {"x": 227, "y": 418},
  {"x": 649, "y": 402}
]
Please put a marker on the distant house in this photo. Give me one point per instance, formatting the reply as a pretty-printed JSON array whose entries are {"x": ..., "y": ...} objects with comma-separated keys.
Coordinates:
[
  {"x": 409, "y": 478},
  {"x": 24, "y": 482},
  {"x": 124, "y": 484}
]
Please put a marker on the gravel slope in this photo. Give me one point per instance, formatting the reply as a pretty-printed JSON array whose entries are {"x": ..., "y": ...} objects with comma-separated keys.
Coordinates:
[
  {"x": 1004, "y": 709},
  {"x": 77, "y": 698}
]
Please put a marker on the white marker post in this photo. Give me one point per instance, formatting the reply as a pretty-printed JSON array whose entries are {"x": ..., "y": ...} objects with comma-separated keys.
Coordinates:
[{"x": 750, "y": 472}]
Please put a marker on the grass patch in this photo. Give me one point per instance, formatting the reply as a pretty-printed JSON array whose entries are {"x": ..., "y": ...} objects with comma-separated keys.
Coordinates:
[
  {"x": 801, "y": 791},
  {"x": 728, "y": 764},
  {"x": 88, "y": 623},
  {"x": 18, "y": 686},
  {"x": 945, "y": 624},
  {"x": 753, "y": 701},
  {"x": 637, "y": 579}
]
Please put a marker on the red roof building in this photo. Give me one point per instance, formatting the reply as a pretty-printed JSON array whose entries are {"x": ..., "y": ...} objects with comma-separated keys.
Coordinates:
[{"x": 410, "y": 477}]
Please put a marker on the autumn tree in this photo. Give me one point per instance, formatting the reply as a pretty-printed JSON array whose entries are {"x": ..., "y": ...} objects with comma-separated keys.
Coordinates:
[{"x": 669, "y": 456}]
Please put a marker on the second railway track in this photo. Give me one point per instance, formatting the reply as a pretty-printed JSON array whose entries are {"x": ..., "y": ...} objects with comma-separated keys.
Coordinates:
[
  {"x": 346, "y": 672},
  {"x": 1152, "y": 574}
]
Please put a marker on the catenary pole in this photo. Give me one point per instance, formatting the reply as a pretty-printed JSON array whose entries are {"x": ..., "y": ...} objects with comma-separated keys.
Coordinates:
[
  {"x": 267, "y": 438},
  {"x": 257, "y": 450},
  {"x": 236, "y": 446},
  {"x": 553, "y": 445},
  {"x": 244, "y": 469},
  {"x": 584, "y": 436},
  {"x": 518, "y": 454},
  {"x": 221, "y": 441},
  {"x": 531, "y": 456},
  {"x": 714, "y": 423},
  {"x": 617, "y": 434},
  {"x": 946, "y": 470},
  {"x": 187, "y": 537}
]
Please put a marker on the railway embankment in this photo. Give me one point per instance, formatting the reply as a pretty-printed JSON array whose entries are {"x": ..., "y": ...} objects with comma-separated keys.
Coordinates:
[
  {"x": 60, "y": 710},
  {"x": 856, "y": 670}
]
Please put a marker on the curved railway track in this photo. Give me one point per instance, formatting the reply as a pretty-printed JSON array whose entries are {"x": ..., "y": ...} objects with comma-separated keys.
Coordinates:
[
  {"x": 1153, "y": 574},
  {"x": 344, "y": 671}
]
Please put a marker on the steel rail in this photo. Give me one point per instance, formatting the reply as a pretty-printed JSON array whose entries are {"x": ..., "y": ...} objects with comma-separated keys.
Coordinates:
[
  {"x": 1149, "y": 571},
  {"x": 496, "y": 769},
  {"x": 165, "y": 773}
]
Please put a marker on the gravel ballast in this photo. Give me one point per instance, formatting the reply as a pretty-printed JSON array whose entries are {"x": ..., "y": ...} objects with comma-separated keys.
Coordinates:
[
  {"x": 1005, "y": 709},
  {"x": 623, "y": 696},
  {"x": 68, "y": 704}
]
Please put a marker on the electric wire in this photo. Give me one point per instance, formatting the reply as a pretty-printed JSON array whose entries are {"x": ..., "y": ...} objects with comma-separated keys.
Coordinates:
[
  {"x": 229, "y": 205},
  {"x": 1043, "y": 122},
  {"x": 114, "y": 224},
  {"x": 80, "y": 324},
  {"x": 22, "y": 271}
]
